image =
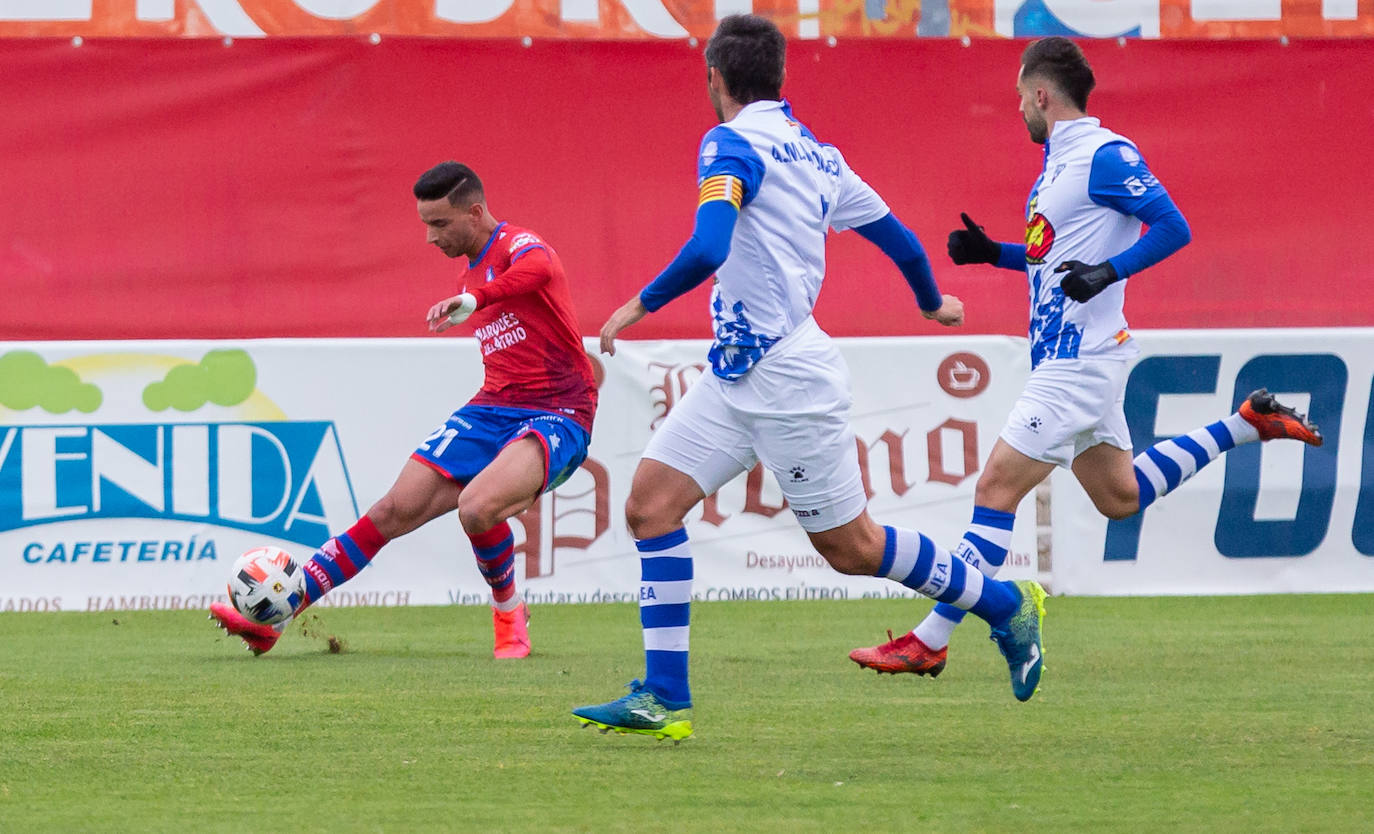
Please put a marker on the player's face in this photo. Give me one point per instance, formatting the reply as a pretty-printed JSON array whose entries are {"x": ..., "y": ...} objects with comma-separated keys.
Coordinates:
[
  {"x": 450, "y": 228},
  {"x": 1029, "y": 92}
]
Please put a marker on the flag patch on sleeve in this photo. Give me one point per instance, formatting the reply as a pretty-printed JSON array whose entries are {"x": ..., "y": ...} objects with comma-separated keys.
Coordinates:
[{"x": 722, "y": 187}]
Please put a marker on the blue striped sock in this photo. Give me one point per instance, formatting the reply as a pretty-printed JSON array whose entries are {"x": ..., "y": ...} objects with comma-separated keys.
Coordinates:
[
  {"x": 665, "y": 608},
  {"x": 984, "y": 546},
  {"x": 340, "y": 559},
  {"x": 495, "y": 552},
  {"x": 923, "y": 566},
  {"x": 1161, "y": 468}
]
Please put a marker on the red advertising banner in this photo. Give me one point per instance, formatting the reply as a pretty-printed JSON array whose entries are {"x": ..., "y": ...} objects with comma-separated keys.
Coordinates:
[
  {"x": 184, "y": 188},
  {"x": 647, "y": 19}
]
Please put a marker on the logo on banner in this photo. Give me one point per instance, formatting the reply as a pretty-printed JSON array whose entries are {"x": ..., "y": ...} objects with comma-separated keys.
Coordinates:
[
  {"x": 239, "y": 466},
  {"x": 963, "y": 375}
]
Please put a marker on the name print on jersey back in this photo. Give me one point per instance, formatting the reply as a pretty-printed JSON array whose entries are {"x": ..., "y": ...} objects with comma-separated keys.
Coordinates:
[{"x": 794, "y": 189}]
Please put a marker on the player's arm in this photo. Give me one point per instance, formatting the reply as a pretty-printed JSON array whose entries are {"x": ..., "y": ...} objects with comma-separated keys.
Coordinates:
[
  {"x": 971, "y": 245},
  {"x": 1121, "y": 181},
  {"x": 730, "y": 173},
  {"x": 901, "y": 245},
  {"x": 530, "y": 269}
]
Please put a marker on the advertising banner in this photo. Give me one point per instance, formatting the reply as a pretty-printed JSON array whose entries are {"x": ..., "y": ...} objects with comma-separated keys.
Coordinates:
[
  {"x": 263, "y": 188},
  {"x": 132, "y": 474},
  {"x": 1264, "y": 518},
  {"x": 641, "y": 19}
]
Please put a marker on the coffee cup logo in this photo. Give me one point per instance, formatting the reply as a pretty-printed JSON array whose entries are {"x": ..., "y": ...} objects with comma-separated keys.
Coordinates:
[{"x": 963, "y": 375}]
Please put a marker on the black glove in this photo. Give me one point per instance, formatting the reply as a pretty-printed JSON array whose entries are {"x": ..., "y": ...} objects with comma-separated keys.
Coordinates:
[
  {"x": 1084, "y": 281},
  {"x": 971, "y": 245}
]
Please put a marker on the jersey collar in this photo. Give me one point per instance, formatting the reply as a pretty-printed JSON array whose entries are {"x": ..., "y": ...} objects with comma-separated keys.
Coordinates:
[
  {"x": 1066, "y": 132},
  {"x": 765, "y": 104},
  {"x": 480, "y": 255}
]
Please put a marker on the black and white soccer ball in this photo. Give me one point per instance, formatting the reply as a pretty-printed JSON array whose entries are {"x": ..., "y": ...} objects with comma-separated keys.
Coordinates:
[{"x": 266, "y": 585}]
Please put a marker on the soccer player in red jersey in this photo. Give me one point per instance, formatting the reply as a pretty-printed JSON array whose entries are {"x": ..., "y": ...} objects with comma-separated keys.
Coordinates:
[{"x": 524, "y": 433}]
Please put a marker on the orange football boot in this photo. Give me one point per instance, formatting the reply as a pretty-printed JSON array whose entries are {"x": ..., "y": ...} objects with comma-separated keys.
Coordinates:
[
  {"x": 905, "y": 654},
  {"x": 1274, "y": 421},
  {"x": 260, "y": 638},
  {"x": 511, "y": 629}
]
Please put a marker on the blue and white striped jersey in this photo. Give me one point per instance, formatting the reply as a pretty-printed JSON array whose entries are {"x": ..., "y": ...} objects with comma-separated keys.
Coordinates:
[{"x": 790, "y": 189}]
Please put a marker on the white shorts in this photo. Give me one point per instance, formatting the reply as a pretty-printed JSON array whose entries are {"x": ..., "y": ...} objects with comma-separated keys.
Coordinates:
[
  {"x": 791, "y": 411},
  {"x": 1067, "y": 407}
]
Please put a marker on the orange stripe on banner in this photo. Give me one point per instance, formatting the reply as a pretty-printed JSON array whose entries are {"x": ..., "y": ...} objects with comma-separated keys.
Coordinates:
[{"x": 723, "y": 187}]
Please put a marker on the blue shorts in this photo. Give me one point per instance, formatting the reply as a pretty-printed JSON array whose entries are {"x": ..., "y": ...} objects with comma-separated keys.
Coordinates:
[{"x": 475, "y": 434}]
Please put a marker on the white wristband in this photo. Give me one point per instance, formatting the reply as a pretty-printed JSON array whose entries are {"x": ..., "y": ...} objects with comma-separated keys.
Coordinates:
[{"x": 467, "y": 304}]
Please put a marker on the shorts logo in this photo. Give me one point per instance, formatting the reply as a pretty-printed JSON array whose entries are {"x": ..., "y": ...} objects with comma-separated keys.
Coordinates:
[
  {"x": 1034, "y": 424},
  {"x": 1039, "y": 238},
  {"x": 799, "y": 474}
]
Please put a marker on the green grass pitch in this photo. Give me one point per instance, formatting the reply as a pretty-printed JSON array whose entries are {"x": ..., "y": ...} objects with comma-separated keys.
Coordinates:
[{"x": 1245, "y": 714}]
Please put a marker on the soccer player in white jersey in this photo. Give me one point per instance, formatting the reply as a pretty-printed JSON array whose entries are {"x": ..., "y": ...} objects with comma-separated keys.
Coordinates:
[
  {"x": 779, "y": 389},
  {"x": 1083, "y": 241}
]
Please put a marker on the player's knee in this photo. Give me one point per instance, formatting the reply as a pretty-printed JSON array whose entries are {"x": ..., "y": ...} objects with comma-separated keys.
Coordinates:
[
  {"x": 386, "y": 515},
  {"x": 648, "y": 518},
  {"x": 852, "y": 556},
  {"x": 851, "y": 563},
  {"x": 477, "y": 516},
  {"x": 1116, "y": 507},
  {"x": 992, "y": 490}
]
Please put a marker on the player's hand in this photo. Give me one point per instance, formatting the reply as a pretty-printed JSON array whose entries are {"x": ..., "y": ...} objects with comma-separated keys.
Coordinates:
[
  {"x": 1084, "y": 281},
  {"x": 971, "y": 245},
  {"x": 629, "y": 313},
  {"x": 950, "y": 314},
  {"x": 451, "y": 311}
]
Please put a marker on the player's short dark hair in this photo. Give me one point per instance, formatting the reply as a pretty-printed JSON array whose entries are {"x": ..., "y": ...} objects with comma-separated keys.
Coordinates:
[
  {"x": 453, "y": 180},
  {"x": 1061, "y": 62},
  {"x": 749, "y": 52}
]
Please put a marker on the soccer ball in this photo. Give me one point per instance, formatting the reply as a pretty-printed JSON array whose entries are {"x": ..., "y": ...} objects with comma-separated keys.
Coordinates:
[{"x": 266, "y": 585}]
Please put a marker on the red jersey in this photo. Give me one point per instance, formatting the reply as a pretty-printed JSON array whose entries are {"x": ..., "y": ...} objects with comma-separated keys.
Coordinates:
[{"x": 531, "y": 350}]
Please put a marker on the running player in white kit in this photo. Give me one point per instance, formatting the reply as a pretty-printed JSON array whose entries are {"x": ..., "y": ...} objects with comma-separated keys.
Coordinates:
[
  {"x": 1083, "y": 222},
  {"x": 779, "y": 389}
]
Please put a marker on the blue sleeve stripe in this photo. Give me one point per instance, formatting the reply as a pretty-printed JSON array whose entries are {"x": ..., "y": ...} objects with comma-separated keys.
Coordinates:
[
  {"x": 725, "y": 151},
  {"x": 1012, "y": 256},
  {"x": 516, "y": 256},
  {"x": 1168, "y": 233},
  {"x": 1119, "y": 184}
]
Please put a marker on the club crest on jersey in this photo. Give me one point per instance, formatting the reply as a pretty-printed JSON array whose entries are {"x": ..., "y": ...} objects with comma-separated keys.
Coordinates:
[
  {"x": 491, "y": 275},
  {"x": 1039, "y": 238}
]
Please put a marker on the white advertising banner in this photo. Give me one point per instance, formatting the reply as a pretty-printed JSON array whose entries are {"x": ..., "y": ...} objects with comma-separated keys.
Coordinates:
[
  {"x": 132, "y": 474},
  {"x": 1265, "y": 518}
]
